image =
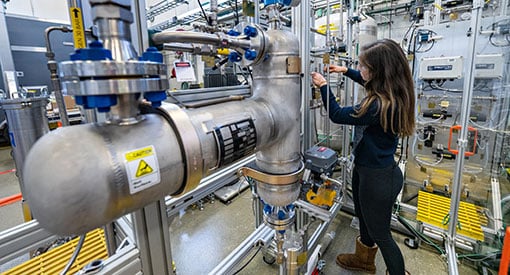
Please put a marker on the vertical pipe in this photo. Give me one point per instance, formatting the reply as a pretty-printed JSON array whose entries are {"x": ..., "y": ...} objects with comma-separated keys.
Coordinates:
[
  {"x": 327, "y": 122},
  {"x": 139, "y": 26},
  {"x": 213, "y": 7},
  {"x": 256, "y": 12},
  {"x": 305, "y": 17},
  {"x": 462, "y": 139},
  {"x": 341, "y": 20},
  {"x": 437, "y": 12},
  {"x": 504, "y": 7},
  {"x": 55, "y": 80}
]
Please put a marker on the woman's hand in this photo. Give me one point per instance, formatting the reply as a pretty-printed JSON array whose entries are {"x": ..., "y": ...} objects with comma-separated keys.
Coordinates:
[
  {"x": 318, "y": 80},
  {"x": 335, "y": 69}
]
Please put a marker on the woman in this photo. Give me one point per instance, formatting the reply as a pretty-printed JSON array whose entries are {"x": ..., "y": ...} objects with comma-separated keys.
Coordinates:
[{"x": 384, "y": 115}]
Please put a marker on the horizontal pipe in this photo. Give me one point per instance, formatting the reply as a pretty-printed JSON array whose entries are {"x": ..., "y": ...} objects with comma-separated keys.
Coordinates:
[
  {"x": 219, "y": 40},
  {"x": 91, "y": 177}
]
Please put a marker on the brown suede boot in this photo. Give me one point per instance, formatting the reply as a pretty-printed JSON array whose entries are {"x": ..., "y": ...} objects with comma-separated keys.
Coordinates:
[{"x": 362, "y": 260}]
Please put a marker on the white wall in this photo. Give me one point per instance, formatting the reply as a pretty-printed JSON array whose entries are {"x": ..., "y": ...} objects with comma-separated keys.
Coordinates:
[{"x": 45, "y": 9}]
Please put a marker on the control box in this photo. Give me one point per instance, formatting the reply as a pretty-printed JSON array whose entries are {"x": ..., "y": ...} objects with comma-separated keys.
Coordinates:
[
  {"x": 441, "y": 67},
  {"x": 489, "y": 66},
  {"x": 323, "y": 159}
]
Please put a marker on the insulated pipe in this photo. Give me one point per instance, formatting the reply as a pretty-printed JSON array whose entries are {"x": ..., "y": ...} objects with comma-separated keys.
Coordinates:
[
  {"x": 92, "y": 186},
  {"x": 197, "y": 37},
  {"x": 86, "y": 183}
]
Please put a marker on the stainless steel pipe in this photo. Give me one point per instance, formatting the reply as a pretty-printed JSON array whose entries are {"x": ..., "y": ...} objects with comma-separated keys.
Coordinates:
[{"x": 215, "y": 39}]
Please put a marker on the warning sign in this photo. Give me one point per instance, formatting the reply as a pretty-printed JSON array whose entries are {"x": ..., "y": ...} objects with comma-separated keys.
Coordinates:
[
  {"x": 80, "y": 41},
  {"x": 142, "y": 168}
]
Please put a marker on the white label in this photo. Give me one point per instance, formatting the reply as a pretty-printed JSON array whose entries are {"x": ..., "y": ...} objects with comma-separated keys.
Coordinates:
[
  {"x": 184, "y": 71},
  {"x": 142, "y": 168}
]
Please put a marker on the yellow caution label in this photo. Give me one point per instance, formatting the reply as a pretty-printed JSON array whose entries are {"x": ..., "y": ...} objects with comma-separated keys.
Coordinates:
[
  {"x": 140, "y": 153},
  {"x": 80, "y": 41},
  {"x": 143, "y": 169}
]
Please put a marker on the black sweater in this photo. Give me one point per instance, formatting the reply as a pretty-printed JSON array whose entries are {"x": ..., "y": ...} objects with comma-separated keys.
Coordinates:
[{"x": 373, "y": 147}]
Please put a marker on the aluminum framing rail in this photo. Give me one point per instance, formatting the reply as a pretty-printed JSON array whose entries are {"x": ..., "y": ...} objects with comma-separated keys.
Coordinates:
[
  {"x": 126, "y": 261},
  {"x": 162, "y": 7},
  {"x": 260, "y": 237},
  {"x": 207, "y": 186},
  {"x": 21, "y": 239}
]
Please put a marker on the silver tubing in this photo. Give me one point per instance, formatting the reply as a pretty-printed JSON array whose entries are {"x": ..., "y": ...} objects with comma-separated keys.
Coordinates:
[
  {"x": 197, "y": 37},
  {"x": 256, "y": 15},
  {"x": 55, "y": 81},
  {"x": 462, "y": 139},
  {"x": 496, "y": 204},
  {"x": 305, "y": 38},
  {"x": 214, "y": 12},
  {"x": 327, "y": 120}
]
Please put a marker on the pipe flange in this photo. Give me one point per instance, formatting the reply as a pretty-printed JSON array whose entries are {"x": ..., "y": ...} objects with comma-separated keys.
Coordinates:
[
  {"x": 279, "y": 224},
  {"x": 259, "y": 44},
  {"x": 71, "y": 70},
  {"x": 107, "y": 77},
  {"x": 272, "y": 179},
  {"x": 190, "y": 145}
]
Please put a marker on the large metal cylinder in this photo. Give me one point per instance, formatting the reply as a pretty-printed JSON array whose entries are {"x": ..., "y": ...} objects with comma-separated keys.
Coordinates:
[
  {"x": 27, "y": 122},
  {"x": 99, "y": 172},
  {"x": 281, "y": 90}
]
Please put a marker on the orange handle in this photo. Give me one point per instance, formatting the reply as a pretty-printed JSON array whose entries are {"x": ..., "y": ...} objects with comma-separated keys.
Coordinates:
[{"x": 455, "y": 151}]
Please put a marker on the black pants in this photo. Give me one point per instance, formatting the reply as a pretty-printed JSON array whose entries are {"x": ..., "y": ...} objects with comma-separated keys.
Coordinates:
[{"x": 374, "y": 193}]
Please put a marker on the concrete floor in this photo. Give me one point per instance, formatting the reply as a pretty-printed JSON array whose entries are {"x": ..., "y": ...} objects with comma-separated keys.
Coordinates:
[{"x": 200, "y": 239}]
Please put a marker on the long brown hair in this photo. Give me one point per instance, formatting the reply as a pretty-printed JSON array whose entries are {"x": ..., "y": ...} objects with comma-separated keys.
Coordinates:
[{"x": 390, "y": 82}]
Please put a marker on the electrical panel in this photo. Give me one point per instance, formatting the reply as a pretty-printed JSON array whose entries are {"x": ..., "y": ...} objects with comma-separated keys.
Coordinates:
[
  {"x": 441, "y": 67},
  {"x": 489, "y": 66}
]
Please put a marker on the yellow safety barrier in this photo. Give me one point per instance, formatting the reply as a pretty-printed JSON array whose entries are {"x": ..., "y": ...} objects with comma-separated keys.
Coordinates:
[
  {"x": 434, "y": 210},
  {"x": 55, "y": 260}
]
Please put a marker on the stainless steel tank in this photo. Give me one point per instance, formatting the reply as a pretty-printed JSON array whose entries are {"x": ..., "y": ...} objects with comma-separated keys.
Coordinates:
[
  {"x": 281, "y": 90},
  {"x": 27, "y": 122}
]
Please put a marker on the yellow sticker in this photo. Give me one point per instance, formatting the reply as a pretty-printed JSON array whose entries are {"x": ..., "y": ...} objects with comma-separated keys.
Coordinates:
[
  {"x": 140, "y": 153},
  {"x": 80, "y": 41},
  {"x": 142, "y": 168}
]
